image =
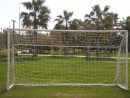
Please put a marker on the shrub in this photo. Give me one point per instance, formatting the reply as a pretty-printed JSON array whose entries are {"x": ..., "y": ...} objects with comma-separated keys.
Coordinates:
[
  {"x": 52, "y": 52},
  {"x": 70, "y": 52},
  {"x": 60, "y": 52},
  {"x": 78, "y": 51},
  {"x": 3, "y": 53}
]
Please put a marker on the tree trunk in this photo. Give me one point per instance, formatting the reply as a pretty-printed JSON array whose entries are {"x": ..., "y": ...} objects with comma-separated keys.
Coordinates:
[
  {"x": 35, "y": 36},
  {"x": 65, "y": 43},
  {"x": 35, "y": 43},
  {"x": 98, "y": 52},
  {"x": 87, "y": 53}
]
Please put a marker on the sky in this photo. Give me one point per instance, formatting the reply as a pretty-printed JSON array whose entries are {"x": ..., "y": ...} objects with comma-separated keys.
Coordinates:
[{"x": 10, "y": 9}]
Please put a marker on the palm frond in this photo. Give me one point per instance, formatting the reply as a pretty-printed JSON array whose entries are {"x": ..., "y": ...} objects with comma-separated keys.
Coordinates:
[
  {"x": 60, "y": 16},
  {"x": 106, "y": 8},
  {"x": 44, "y": 10},
  {"x": 70, "y": 14},
  {"x": 92, "y": 13},
  {"x": 31, "y": 14},
  {"x": 28, "y": 5},
  {"x": 65, "y": 13},
  {"x": 87, "y": 16},
  {"x": 24, "y": 14},
  {"x": 57, "y": 19},
  {"x": 40, "y": 2}
]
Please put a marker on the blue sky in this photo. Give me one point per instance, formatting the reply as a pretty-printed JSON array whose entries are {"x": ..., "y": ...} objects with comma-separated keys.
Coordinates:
[{"x": 10, "y": 9}]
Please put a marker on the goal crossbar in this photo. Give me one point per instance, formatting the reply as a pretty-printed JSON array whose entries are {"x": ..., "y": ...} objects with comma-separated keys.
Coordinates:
[{"x": 68, "y": 30}]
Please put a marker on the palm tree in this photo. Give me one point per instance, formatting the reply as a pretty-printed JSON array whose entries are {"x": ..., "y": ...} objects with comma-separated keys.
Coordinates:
[
  {"x": 37, "y": 16},
  {"x": 128, "y": 23},
  {"x": 67, "y": 16},
  {"x": 59, "y": 25},
  {"x": 122, "y": 23},
  {"x": 111, "y": 21},
  {"x": 26, "y": 22},
  {"x": 77, "y": 24},
  {"x": 97, "y": 16},
  {"x": 127, "y": 27},
  {"x": 63, "y": 22},
  {"x": 64, "y": 19}
]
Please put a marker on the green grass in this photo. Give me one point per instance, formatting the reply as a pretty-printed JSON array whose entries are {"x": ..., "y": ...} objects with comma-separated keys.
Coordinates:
[
  {"x": 63, "y": 70},
  {"x": 40, "y": 67}
]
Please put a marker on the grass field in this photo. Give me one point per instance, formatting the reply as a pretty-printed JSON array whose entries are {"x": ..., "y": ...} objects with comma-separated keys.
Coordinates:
[
  {"x": 40, "y": 67},
  {"x": 64, "y": 70}
]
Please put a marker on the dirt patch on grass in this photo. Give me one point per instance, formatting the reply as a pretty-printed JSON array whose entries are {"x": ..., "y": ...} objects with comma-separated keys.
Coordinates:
[{"x": 68, "y": 95}]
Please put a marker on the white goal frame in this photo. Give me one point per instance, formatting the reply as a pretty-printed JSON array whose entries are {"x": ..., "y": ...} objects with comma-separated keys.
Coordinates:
[{"x": 11, "y": 65}]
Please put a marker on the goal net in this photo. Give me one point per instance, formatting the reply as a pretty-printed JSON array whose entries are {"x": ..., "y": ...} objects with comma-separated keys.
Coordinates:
[{"x": 67, "y": 57}]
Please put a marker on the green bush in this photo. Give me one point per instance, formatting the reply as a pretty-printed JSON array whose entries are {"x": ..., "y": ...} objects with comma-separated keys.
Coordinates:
[
  {"x": 3, "y": 53},
  {"x": 70, "y": 52},
  {"x": 78, "y": 51},
  {"x": 60, "y": 52},
  {"x": 45, "y": 52},
  {"x": 15, "y": 52},
  {"x": 52, "y": 52}
]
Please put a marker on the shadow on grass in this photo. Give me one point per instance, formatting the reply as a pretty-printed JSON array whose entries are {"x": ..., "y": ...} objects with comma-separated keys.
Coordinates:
[
  {"x": 30, "y": 58},
  {"x": 22, "y": 59},
  {"x": 100, "y": 59},
  {"x": 3, "y": 59},
  {"x": 3, "y": 91},
  {"x": 125, "y": 92}
]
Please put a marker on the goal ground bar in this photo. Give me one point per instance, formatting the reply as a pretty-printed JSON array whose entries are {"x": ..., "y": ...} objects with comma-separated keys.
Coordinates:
[{"x": 64, "y": 84}]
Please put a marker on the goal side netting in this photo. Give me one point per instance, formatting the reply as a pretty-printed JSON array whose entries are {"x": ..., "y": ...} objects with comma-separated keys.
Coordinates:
[{"x": 67, "y": 57}]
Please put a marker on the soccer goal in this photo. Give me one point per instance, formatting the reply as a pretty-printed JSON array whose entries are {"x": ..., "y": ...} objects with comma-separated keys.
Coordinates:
[{"x": 67, "y": 58}]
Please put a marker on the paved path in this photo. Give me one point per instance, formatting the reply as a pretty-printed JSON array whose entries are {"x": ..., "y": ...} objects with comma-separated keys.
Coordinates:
[{"x": 67, "y": 56}]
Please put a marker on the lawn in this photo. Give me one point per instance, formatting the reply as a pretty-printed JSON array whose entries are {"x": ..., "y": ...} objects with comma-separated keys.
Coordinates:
[
  {"x": 72, "y": 70},
  {"x": 63, "y": 70}
]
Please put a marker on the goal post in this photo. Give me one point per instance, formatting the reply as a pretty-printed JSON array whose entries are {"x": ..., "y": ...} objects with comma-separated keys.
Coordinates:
[
  {"x": 67, "y": 58},
  {"x": 123, "y": 50}
]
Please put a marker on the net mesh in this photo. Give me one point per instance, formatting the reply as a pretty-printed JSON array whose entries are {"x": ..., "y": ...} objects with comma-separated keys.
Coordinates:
[{"x": 68, "y": 57}]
